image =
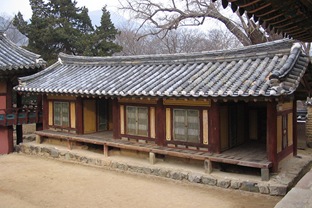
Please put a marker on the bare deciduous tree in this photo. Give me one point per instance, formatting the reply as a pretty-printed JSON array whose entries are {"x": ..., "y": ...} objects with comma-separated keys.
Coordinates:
[
  {"x": 181, "y": 40},
  {"x": 176, "y": 13}
]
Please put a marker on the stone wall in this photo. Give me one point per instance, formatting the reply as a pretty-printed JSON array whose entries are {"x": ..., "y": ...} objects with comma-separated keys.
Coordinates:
[{"x": 174, "y": 174}]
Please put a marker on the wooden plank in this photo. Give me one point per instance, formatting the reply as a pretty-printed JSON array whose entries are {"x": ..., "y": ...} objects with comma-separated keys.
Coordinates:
[
  {"x": 168, "y": 124},
  {"x": 50, "y": 113},
  {"x": 205, "y": 127},
  {"x": 152, "y": 122},
  {"x": 72, "y": 115},
  {"x": 122, "y": 119}
]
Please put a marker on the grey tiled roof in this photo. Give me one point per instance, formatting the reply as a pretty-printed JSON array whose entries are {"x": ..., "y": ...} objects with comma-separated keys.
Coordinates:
[
  {"x": 14, "y": 58},
  {"x": 269, "y": 69}
]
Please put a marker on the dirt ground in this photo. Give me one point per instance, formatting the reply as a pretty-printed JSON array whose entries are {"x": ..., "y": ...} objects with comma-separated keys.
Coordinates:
[{"x": 29, "y": 181}]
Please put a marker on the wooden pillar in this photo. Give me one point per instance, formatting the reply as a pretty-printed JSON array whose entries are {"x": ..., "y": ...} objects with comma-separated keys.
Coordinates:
[
  {"x": 79, "y": 115},
  {"x": 272, "y": 134},
  {"x": 39, "y": 125},
  {"x": 45, "y": 112},
  {"x": 19, "y": 128},
  {"x": 214, "y": 143},
  {"x": 116, "y": 119},
  {"x": 295, "y": 135},
  {"x": 9, "y": 92},
  {"x": 160, "y": 124}
]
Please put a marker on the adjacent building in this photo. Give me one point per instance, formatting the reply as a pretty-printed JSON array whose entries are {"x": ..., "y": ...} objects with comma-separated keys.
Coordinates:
[{"x": 14, "y": 62}]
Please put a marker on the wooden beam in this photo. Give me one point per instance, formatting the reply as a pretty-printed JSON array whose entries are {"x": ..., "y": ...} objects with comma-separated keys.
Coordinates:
[
  {"x": 259, "y": 8},
  {"x": 272, "y": 135},
  {"x": 249, "y": 4}
]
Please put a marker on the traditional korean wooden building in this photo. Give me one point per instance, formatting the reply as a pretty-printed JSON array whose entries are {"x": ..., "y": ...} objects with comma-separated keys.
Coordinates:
[
  {"x": 14, "y": 62},
  {"x": 235, "y": 106}
]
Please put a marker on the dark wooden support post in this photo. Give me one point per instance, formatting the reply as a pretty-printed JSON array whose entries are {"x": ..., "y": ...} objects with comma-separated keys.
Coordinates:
[
  {"x": 272, "y": 135},
  {"x": 79, "y": 116},
  {"x": 160, "y": 123},
  {"x": 105, "y": 150},
  {"x": 214, "y": 143},
  {"x": 9, "y": 95},
  {"x": 19, "y": 127},
  {"x": 45, "y": 112},
  {"x": 39, "y": 125},
  {"x": 295, "y": 135},
  {"x": 116, "y": 119}
]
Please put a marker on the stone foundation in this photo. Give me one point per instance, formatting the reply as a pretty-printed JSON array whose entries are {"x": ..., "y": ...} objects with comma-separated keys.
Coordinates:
[{"x": 191, "y": 177}]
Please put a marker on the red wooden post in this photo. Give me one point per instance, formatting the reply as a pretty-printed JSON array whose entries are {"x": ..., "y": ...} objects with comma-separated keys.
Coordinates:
[
  {"x": 39, "y": 125},
  {"x": 160, "y": 123},
  {"x": 272, "y": 134},
  {"x": 116, "y": 119},
  {"x": 19, "y": 128},
  {"x": 214, "y": 143},
  {"x": 79, "y": 116},
  {"x": 295, "y": 135},
  {"x": 45, "y": 112}
]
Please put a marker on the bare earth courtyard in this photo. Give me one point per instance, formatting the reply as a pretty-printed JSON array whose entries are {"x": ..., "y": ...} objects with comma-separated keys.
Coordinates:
[{"x": 29, "y": 181}]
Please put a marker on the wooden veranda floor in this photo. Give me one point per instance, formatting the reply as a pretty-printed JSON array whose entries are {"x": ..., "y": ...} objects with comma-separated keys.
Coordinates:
[{"x": 249, "y": 154}]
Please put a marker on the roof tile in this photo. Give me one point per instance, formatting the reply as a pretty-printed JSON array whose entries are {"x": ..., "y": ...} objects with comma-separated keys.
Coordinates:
[{"x": 270, "y": 69}]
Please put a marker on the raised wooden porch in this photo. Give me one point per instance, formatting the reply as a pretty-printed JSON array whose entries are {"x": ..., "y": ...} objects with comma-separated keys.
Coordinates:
[{"x": 248, "y": 155}]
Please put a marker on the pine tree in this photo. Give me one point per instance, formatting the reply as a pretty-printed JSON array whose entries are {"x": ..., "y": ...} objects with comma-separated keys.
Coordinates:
[
  {"x": 104, "y": 37},
  {"x": 60, "y": 26}
]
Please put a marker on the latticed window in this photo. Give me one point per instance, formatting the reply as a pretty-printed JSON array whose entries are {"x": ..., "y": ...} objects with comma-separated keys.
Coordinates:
[
  {"x": 137, "y": 120},
  {"x": 61, "y": 114},
  {"x": 186, "y": 125}
]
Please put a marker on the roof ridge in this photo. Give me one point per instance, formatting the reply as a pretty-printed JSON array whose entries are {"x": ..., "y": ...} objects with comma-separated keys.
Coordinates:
[{"x": 282, "y": 45}]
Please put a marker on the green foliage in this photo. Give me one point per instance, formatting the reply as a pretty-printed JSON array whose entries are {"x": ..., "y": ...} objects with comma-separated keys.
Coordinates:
[{"x": 60, "y": 26}]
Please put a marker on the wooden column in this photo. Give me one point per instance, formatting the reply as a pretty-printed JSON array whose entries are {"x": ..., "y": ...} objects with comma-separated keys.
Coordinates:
[
  {"x": 45, "y": 112},
  {"x": 39, "y": 125},
  {"x": 214, "y": 143},
  {"x": 116, "y": 119},
  {"x": 19, "y": 128},
  {"x": 295, "y": 135},
  {"x": 272, "y": 134},
  {"x": 79, "y": 116},
  {"x": 160, "y": 124},
  {"x": 9, "y": 92}
]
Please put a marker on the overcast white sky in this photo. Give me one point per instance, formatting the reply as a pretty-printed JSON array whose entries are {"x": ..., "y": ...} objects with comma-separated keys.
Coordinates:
[{"x": 11, "y": 7}]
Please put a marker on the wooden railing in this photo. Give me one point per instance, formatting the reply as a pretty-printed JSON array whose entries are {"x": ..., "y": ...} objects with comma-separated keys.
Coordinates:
[{"x": 19, "y": 116}]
